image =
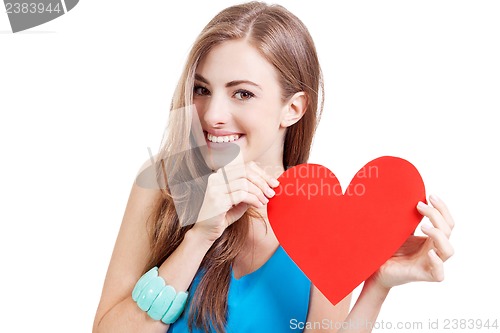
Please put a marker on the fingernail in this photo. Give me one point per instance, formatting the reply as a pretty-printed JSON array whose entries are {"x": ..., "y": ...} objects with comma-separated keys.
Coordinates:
[
  {"x": 426, "y": 226},
  {"x": 270, "y": 192},
  {"x": 275, "y": 182},
  {"x": 434, "y": 198},
  {"x": 433, "y": 253},
  {"x": 421, "y": 205}
]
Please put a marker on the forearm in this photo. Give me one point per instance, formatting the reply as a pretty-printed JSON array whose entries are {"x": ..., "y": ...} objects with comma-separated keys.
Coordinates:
[
  {"x": 364, "y": 313},
  {"x": 178, "y": 271},
  {"x": 127, "y": 317},
  {"x": 181, "y": 266}
]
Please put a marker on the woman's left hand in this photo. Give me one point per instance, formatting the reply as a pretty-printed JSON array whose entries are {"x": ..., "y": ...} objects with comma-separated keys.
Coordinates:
[{"x": 421, "y": 258}]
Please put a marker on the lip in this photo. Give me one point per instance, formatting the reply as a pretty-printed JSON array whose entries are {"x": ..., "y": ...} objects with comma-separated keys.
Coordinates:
[{"x": 221, "y": 133}]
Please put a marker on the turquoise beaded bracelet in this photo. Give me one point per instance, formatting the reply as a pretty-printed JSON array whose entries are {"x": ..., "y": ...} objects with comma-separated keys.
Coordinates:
[{"x": 159, "y": 300}]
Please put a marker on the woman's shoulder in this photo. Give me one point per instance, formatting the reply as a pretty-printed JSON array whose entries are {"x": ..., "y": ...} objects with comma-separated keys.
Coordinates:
[
  {"x": 144, "y": 195},
  {"x": 147, "y": 175}
]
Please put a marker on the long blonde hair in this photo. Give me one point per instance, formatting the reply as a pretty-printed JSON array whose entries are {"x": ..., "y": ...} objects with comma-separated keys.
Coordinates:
[{"x": 285, "y": 42}]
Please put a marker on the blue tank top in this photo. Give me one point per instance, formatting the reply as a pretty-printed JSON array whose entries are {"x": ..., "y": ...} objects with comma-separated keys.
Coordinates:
[{"x": 269, "y": 299}]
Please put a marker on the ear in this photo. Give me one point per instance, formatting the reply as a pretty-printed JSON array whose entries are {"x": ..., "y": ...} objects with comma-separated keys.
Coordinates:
[{"x": 294, "y": 109}]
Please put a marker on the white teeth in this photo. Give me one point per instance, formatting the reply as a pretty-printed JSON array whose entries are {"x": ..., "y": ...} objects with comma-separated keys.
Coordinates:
[{"x": 220, "y": 139}]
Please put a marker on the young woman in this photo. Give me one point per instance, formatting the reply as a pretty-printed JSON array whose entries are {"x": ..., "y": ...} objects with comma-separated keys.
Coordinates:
[{"x": 253, "y": 81}]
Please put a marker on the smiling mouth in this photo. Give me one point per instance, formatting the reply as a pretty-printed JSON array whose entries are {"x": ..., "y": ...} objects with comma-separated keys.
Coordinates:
[{"x": 222, "y": 138}]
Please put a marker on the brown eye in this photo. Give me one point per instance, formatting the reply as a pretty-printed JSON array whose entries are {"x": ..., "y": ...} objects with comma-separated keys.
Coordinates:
[
  {"x": 200, "y": 90},
  {"x": 243, "y": 95}
]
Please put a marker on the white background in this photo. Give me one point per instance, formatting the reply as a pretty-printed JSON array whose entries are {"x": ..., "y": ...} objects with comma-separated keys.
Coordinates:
[{"x": 83, "y": 96}]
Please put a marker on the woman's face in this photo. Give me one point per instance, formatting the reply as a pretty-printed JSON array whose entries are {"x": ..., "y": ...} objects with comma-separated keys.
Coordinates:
[{"x": 238, "y": 99}]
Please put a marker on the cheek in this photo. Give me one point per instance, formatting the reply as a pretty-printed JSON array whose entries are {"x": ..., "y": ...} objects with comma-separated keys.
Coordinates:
[
  {"x": 261, "y": 125},
  {"x": 199, "y": 107},
  {"x": 266, "y": 112},
  {"x": 248, "y": 121}
]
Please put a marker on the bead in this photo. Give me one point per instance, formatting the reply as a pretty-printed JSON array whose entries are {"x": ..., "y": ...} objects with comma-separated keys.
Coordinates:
[
  {"x": 150, "y": 292},
  {"x": 159, "y": 300},
  {"x": 162, "y": 303},
  {"x": 152, "y": 273},
  {"x": 176, "y": 308}
]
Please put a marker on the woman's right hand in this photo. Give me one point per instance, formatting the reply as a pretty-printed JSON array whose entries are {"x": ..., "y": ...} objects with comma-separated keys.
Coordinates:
[{"x": 229, "y": 193}]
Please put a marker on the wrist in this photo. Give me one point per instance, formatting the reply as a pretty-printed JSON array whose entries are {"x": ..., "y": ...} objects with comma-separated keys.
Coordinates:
[
  {"x": 198, "y": 239},
  {"x": 376, "y": 287}
]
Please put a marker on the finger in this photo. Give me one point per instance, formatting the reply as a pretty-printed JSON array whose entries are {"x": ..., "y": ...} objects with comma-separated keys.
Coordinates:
[
  {"x": 443, "y": 209},
  {"x": 444, "y": 249},
  {"x": 229, "y": 191},
  {"x": 253, "y": 173},
  {"x": 215, "y": 178},
  {"x": 246, "y": 197},
  {"x": 436, "y": 267},
  {"x": 270, "y": 180},
  {"x": 246, "y": 185},
  {"x": 234, "y": 171},
  {"x": 261, "y": 183},
  {"x": 435, "y": 217}
]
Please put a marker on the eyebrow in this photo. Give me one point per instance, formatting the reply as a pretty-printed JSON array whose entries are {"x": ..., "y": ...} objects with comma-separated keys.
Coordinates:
[{"x": 233, "y": 83}]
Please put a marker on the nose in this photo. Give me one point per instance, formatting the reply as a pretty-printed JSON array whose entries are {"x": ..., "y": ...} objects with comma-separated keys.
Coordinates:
[{"x": 216, "y": 112}]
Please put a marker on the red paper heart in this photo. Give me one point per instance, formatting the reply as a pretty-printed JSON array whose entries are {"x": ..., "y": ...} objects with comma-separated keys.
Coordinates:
[{"x": 339, "y": 240}]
